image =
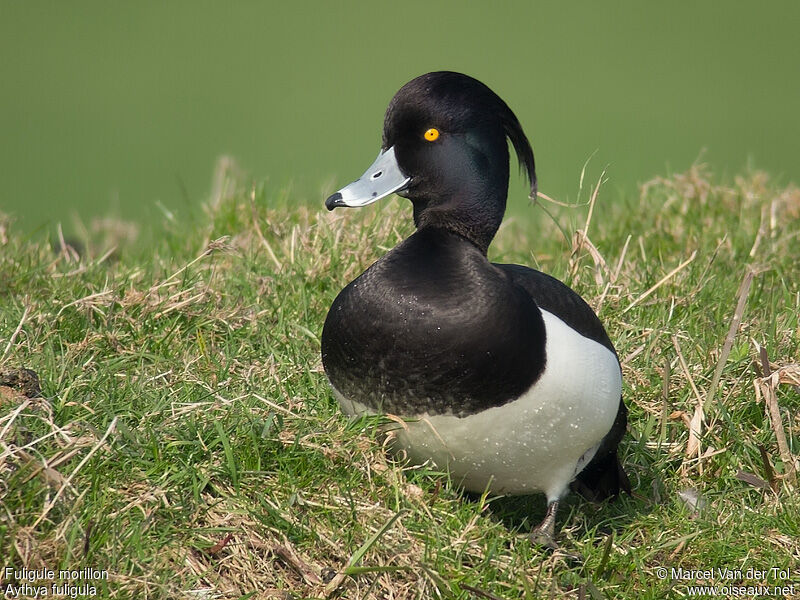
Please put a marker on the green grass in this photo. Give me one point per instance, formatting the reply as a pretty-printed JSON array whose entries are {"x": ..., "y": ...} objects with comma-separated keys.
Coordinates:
[{"x": 186, "y": 441}]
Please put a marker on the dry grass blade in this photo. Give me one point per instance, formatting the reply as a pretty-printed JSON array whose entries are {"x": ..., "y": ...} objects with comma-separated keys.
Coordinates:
[
  {"x": 736, "y": 321},
  {"x": 767, "y": 386},
  {"x": 790, "y": 375},
  {"x": 771, "y": 477},
  {"x": 751, "y": 479},
  {"x": 10, "y": 418},
  {"x": 479, "y": 592},
  {"x": 662, "y": 433},
  {"x": 16, "y": 332},
  {"x": 763, "y": 227},
  {"x": 217, "y": 548},
  {"x": 661, "y": 281},
  {"x": 260, "y": 234},
  {"x": 581, "y": 239},
  {"x": 542, "y": 195},
  {"x": 593, "y": 200},
  {"x": 696, "y": 422},
  {"x": 211, "y": 247},
  {"x": 580, "y": 242},
  {"x": 51, "y": 503},
  {"x": 288, "y": 555},
  {"x": 67, "y": 251},
  {"x": 48, "y": 471}
]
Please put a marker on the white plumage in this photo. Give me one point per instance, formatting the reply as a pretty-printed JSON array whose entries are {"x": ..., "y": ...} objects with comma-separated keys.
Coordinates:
[{"x": 536, "y": 443}]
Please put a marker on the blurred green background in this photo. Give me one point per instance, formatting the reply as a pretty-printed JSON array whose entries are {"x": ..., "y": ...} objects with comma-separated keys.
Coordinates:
[{"x": 124, "y": 108}]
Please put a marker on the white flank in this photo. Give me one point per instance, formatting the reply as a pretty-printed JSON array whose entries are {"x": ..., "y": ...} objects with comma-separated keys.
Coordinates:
[{"x": 537, "y": 443}]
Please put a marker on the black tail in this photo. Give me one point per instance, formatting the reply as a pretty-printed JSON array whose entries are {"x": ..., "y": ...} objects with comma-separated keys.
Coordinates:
[{"x": 604, "y": 476}]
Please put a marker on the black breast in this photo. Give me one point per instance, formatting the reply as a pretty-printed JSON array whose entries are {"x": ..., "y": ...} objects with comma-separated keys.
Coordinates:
[{"x": 433, "y": 327}]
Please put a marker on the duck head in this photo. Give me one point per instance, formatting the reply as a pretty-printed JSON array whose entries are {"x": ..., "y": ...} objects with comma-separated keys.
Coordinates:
[{"x": 444, "y": 148}]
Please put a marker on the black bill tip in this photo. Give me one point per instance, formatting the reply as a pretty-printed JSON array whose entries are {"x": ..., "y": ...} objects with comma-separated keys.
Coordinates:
[{"x": 334, "y": 200}]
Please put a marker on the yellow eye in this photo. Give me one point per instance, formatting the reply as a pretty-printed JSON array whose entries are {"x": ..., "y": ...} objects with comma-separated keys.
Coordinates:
[{"x": 432, "y": 134}]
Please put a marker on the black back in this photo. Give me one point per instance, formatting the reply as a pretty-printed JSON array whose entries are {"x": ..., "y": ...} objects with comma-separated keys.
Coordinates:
[{"x": 555, "y": 297}]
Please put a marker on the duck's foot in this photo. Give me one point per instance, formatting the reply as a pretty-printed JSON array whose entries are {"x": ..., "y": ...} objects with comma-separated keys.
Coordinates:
[{"x": 544, "y": 533}]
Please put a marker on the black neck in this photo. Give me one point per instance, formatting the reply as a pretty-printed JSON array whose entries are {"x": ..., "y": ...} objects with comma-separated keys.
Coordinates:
[{"x": 474, "y": 212}]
